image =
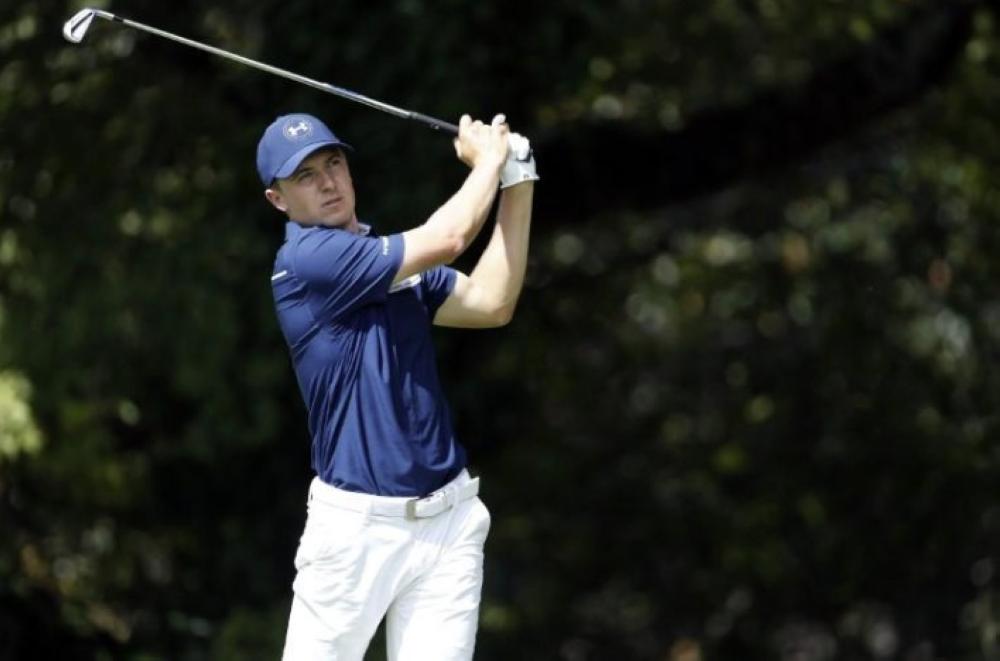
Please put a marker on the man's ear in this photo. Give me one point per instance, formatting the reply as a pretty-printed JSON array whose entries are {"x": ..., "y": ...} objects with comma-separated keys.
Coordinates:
[{"x": 274, "y": 197}]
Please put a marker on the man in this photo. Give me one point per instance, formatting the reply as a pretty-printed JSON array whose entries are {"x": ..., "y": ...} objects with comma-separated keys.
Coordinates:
[{"x": 394, "y": 525}]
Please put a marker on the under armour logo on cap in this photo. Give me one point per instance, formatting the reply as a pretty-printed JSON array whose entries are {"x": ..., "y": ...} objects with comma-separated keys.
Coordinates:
[
  {"x": 287, "y": 141},
  {"x": 299, "y": 129}
]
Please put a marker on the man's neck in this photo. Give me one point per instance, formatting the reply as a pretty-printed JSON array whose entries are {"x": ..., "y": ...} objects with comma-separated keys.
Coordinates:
[{"x": 352, "y": 226}]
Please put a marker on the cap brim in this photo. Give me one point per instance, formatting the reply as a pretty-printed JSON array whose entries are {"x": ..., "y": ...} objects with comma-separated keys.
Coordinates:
[{"x": 288, "y": 167}]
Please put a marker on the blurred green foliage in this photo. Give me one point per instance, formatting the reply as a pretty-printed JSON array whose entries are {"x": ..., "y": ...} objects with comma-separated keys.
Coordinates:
[{"x": 747, "y": 409}]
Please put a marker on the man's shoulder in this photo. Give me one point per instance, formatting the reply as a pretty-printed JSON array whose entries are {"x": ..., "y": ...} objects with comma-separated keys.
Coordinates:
[{"x": 314, "y": 240}]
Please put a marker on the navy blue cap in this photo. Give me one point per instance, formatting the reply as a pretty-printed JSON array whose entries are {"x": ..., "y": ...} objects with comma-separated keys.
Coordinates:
[{"x": 288, "y": 141}]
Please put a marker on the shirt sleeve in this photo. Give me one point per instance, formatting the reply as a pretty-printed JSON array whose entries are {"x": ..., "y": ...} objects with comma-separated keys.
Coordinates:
[
  {"x": 438, "y": 284},
  {"x": 346, "y": 271}
]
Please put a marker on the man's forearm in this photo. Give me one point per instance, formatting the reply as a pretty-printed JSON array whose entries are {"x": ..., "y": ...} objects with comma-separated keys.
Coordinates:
[
  {"x": 501, "y": 267},
  {"x": 462, "y": 216}
]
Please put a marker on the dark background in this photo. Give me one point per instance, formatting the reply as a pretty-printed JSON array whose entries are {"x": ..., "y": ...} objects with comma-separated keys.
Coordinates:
[{"x": 747, "y": 408}]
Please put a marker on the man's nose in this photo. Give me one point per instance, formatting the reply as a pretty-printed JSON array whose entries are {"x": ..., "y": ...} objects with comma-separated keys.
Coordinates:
[{"x": 327, "y": 179}]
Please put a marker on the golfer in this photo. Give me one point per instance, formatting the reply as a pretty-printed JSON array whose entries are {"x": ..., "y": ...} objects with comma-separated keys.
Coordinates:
[{"x": 395, "y": 527}]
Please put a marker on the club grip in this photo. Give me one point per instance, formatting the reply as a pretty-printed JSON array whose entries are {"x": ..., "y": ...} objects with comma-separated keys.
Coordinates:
[{"x": 434, "y": 122}]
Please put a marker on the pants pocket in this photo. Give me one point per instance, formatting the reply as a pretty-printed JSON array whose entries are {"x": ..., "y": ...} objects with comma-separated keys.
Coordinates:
[
  {"x": 331, "y": 536},
  {"x": 485, "y": 518}
]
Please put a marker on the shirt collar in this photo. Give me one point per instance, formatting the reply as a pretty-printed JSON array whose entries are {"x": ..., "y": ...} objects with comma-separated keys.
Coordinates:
[{"x": 293, "y": 229}]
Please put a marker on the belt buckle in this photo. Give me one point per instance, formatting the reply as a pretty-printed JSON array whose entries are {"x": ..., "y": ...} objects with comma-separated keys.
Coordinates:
[{"x": 411, "y": 509}]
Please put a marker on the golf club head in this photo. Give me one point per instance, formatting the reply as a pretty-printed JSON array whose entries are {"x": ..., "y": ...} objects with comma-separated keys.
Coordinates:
[{"x": 76, "y": 27}]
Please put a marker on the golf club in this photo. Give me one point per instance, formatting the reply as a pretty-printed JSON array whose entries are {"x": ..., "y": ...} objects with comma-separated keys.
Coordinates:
[{"x": 76, "y": 28}]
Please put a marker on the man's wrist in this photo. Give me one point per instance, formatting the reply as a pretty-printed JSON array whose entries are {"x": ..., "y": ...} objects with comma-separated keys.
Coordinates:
[
  {"x": 520, "y": 188},
  {"x": 490, "y": 164}
]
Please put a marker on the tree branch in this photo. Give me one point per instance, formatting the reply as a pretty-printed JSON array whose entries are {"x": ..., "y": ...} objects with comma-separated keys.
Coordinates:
[{"x": 639, "y": 169}]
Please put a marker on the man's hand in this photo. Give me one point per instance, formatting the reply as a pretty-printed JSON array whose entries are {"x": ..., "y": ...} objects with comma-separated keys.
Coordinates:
[
  {"x": 479, "y": 144},
  {"x": 520, "y": 164}
]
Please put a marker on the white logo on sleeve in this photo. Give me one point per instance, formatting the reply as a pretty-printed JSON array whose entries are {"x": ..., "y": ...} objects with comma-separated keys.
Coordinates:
[
  {"x": 385, "y": 245},
  {"x": 406, "y": 283}
]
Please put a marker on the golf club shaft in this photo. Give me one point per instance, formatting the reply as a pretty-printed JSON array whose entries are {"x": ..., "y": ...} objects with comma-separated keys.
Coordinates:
[{"x": 432, "y": 122}]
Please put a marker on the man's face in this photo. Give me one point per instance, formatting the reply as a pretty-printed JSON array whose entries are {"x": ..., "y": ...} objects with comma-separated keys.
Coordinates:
[{"x": 319, "y": 192}]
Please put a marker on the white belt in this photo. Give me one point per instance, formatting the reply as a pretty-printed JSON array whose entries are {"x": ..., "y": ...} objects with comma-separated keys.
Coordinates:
[{"x": 448, "y": 496}]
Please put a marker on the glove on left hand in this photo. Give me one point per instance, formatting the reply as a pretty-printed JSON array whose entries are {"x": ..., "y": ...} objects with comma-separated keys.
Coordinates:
[{"x": 520, "y": 164}]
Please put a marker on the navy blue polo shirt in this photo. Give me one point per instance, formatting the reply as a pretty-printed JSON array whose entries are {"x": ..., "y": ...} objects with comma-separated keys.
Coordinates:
[{"x": 364, "y": 360}]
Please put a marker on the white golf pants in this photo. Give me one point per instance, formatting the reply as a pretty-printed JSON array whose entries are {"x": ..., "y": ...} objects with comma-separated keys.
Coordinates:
[{"x": 357, "y": 563}]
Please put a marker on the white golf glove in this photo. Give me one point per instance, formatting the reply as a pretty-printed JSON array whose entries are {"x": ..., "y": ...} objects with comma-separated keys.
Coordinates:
[{"x": 520, "y": 164}]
